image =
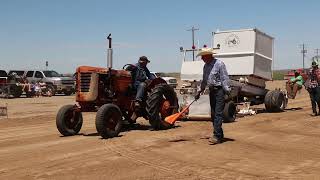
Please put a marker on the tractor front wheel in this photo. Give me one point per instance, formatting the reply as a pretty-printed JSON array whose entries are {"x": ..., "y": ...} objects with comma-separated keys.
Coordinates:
[
  {"x": 69, "y": 121},
  {"x": 109, "y": 121}
]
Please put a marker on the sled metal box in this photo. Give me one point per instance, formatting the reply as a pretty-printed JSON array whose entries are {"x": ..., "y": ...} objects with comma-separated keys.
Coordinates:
[{"x": 245, "y": 52}]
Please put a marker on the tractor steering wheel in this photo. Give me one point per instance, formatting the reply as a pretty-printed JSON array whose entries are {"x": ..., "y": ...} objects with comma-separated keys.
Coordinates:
[{"x": 128, "y": 67}]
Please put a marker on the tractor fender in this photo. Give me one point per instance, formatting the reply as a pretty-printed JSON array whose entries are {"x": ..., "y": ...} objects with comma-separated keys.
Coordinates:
[{"x": 151, "y": 84}]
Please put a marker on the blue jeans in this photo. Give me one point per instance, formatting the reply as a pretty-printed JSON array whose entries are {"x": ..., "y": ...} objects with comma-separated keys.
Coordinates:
[
  {"x": 140, "y": 87},
  {"x": 217, "y": 105},
  {"x": 315, "y": 98}
]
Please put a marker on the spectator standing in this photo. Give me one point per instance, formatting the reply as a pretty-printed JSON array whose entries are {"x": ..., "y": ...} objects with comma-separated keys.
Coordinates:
[{"x": 312, "y": 86}]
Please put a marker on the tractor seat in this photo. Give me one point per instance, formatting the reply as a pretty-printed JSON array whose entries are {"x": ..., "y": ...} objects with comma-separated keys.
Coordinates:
[{"x": 132, "y": 69}]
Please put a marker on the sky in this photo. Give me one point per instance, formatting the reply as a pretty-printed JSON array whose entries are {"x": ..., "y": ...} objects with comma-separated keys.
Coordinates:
[{"x": 71, "y": 33}]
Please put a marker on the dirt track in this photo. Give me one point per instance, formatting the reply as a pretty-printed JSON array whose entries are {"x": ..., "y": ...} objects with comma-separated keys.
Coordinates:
[{"x": 265, "y": 146}]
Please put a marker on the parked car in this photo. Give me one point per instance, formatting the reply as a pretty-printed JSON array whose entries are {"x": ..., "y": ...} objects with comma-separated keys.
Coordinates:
[
  {"x": 18, "y": 72},
  {"x": 3, "y": 81},
  {"x": 53, "y": 80},
  {"x": 9, "y": 85},
  {"x": 170, "y": 80}
]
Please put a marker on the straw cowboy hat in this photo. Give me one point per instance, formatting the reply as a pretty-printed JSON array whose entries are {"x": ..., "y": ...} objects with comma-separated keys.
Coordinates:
[
  {"x": 314, "y": 64},
  {"x": 205, "y": 51}
]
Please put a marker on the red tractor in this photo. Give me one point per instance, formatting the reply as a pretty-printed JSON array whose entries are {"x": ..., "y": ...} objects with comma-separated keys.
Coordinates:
[{"x": 111, "y": 94}]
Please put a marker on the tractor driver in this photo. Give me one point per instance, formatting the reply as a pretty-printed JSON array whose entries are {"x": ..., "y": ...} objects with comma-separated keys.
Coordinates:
[{"x": 141, "y": 74}]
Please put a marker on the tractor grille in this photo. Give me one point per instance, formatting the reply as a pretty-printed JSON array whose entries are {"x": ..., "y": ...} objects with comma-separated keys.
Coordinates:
[{"x": 85, "y": 82}]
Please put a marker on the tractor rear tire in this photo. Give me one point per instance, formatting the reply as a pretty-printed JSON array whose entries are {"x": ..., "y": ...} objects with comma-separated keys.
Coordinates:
[
  {"x": 267, "y": 101},
  {"x": 68, "y": 121},
  {"x": 229, "y": 112},
  {"x": 275, "y": 101},
  {"x": 109, "y": 121},
  {"x": 154, "y": 103}
]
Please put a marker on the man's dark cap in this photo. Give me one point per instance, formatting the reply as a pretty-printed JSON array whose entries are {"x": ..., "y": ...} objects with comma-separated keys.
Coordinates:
[{"x": 144, "y": 58}]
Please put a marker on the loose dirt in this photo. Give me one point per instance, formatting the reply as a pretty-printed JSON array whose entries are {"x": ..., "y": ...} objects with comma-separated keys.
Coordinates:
[{"x": 282, "y": 145}]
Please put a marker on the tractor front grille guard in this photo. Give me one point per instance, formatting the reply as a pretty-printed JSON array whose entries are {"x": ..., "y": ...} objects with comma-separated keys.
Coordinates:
[{"x": 85, "y": 78}]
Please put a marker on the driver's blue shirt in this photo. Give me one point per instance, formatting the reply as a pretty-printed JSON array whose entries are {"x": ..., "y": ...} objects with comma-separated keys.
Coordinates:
[{"x": 141, "y": 74}]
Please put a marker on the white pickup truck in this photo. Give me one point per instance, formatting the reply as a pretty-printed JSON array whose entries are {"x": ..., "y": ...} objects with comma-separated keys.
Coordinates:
[
  {"x": 53, "y": 80},
  {"x": 170, "y": 80}
]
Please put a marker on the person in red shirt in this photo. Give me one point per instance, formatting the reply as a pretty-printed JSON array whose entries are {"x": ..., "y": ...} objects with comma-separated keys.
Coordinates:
[{"x": 312, "y": 86}]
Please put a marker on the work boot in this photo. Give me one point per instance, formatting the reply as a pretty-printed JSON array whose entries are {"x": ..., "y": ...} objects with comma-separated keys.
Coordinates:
[
  {"x": 314, "y": 114},
  {"x": 214, "y": 140}
]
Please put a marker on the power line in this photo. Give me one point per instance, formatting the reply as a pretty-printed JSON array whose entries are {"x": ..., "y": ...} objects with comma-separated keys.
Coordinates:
[{"x": 193, "y": 47}]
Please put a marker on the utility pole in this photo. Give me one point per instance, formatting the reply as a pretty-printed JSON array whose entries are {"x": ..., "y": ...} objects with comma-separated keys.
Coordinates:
[
  {"x": 317, "y": 52},
  {"x": 47, "y": 64},
  {"x": 193, "y": 47},
  {"x": 303, "y": 52},
  {"x": 316, "y": 58}
]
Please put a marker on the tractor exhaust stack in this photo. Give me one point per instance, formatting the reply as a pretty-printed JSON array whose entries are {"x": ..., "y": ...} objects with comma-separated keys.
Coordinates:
[{"x": 109, "y": 55}]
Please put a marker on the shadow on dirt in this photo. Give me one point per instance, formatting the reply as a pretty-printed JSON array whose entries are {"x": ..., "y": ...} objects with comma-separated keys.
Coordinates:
[
  {"x": 137, "y": 127},
  {"x": 228, "y": 140},
  {"x": 263, "y": 110},
  {"x": 294, "y": 109},
  {"x": 179, "y": 140},
  {"x": 225, "y": 140},
  {"x": 142, "y": 127},
  {"x": 97, "y": 135},
  {"x": 90, "y": 134},
  {"x": 127, "y": 128}
]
